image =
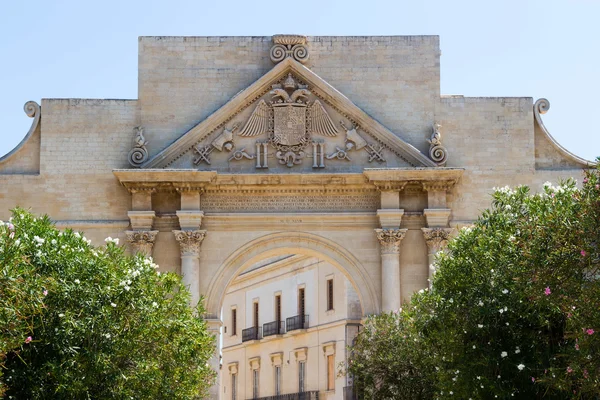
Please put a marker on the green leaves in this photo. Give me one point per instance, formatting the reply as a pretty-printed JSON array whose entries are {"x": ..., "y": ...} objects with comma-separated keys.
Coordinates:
[
  {"x": 513, "y": 311},
  {"x": 106, "y": 325}
]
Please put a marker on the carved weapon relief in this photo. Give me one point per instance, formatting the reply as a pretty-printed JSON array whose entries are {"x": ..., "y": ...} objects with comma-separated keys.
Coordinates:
[
  {"x": 437, "y": 152},
  {"x": 355, "y": 142},
  {"x": 139, "y": 154},
  {"x": 222, "y": 142}
]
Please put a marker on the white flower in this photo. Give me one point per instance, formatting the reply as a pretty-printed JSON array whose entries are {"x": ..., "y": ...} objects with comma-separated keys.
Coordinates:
[
  {"x": 500, "y": 311},
  {"x": 107, "y": 335},
  {"x": 126, "y": 288},
  {"x": 517, "y": 351},
  {"x": 53, "y": 242},
  {"x": 76, "y": 234},
  {"x": 113, "y": 305},
  {"x": 421, "y": 291},
  {"x": 474, "y": 346},
  {"x": 521, "y": 367},
  {"x": 77, "y": 281},
  {"x": 61, "y": 315},
  {"x": 512, "y": 238},
  {"x": 480, "y": 303},
  {"x": 111, "y": 240},
  {"x": 547, "y": 184},
  {"x": 479, "y": 325},
  {"x": 505, "y": 291},
  {"x": 451, "y": 300},
  {"x": 154, "y": 304},
  {"x": 504, "y": 354},
  {"x": 39, "y": 240}
]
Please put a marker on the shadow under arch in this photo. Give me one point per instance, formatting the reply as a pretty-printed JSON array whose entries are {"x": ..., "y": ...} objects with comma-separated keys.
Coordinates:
[{"x": 292, "y": 243}]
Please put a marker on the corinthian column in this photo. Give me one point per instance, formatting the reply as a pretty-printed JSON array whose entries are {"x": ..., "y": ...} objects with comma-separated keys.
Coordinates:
[
  {"x": 390, "y": 239},
  {"x": 189, "y": 244},
  {"x": 141, "y": 241},
  {"x": 436, "y": 239}
]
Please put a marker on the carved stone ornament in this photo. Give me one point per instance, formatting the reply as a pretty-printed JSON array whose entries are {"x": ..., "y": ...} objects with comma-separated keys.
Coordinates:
[
  {"x": 225, "y": 139},
  {"x": 141, "y": 241},
  {"x": 355, "y": 142},
  {"x": 189, "y": 241},
  {"x": 290, "y": 120},
  {"x": 390, "y": 239},
  {"x": 437, "y": 152},
  {"x": 436, "y": 238},
  {"x": 139, "y": 154},
  {"x": 285, "y": 46}
]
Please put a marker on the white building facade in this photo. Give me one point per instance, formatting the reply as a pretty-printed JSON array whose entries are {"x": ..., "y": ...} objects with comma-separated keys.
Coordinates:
[{"x": 287, "y": 323}]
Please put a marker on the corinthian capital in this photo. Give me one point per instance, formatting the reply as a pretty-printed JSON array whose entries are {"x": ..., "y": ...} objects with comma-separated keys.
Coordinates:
[
  {"x": 189, "y": 241},
  {"x": 141, "y": 241},
  {"x": 390, "y": 239},
  {"x": 436, "y": 238}
]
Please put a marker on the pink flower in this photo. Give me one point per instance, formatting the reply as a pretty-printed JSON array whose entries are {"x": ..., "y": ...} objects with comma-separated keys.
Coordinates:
[
  {"x": 585, "y": 373},
  {"x": 11, "y": 227},
  {"x": 590, "y": 331},
  {"x": 532, "y": 379},
  {"x": 583, "y": 253},
  {"x": 585, "y": 180},
  {"x": 28, "y": 339},
  {"x": 597, "y": 186},
  {"x": 45, "y": 292},
  {"x": 576, "y": 347},
  {"x": 11, "y": 235},
  {"x": 569, "y": 370},
  {"x": 547, "y": 291}
]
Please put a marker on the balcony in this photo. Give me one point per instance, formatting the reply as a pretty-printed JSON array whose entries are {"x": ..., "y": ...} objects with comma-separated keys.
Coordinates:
[
  {"x": 273, "y": 328},
  {"x": 254, "y": 333},
  {"x": 314, "y": 395},
  {"x": 297, "y": 322}
]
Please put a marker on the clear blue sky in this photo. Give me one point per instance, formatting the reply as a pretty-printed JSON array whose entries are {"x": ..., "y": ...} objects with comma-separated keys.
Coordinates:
[{"x": 57, "y": 49}]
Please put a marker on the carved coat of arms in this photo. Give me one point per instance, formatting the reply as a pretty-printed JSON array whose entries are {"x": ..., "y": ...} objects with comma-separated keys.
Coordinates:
[{"x": 290, "y": 120}]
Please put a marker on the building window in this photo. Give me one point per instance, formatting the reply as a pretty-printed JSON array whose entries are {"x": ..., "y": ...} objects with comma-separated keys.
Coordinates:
[
  {"x": 255, "y": 384},
  {"x": 301, "y": 306},
  {"x": 255, "y": 316},
  {"x": 330, "y": 372},
  {"x": 330, "y": 294},
  {"x": 233, "y": 322},
  {"x": 301, "y": 374},
  {"x": 233, "y": 386},
  {"x": 277, "y": 380},
  {"x": 278, "y": 313}
]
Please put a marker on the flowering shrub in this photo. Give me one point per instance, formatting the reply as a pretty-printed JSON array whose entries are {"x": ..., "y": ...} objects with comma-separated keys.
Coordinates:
[
  {"x": 514, "y": 310},
  {"x": 92, "y": 322}
]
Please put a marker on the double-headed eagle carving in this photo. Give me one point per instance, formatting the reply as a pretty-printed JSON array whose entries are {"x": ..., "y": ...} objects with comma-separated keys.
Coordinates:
[{"x": 290, "y": 118}]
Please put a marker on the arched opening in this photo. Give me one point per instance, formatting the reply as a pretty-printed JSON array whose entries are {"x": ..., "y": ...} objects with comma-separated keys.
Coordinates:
[{"x": 290, "y": 304}]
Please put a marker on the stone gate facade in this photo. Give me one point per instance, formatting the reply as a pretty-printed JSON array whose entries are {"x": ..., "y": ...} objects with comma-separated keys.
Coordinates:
[{"x": 243, "y": 148}]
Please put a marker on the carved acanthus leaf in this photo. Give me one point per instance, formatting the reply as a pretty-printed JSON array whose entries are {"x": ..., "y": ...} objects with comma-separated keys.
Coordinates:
[
  {"x": 390, "y": 239},
  {"x": 141, "y": 241},
  {"x": 189, "y": 241},
  {"x": 436, "y": 238}
]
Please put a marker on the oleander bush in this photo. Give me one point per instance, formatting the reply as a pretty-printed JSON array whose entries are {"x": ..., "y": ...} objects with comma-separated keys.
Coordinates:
[
  {"x": 514, "y": 311},
  {"x": 85, "y": 322}
]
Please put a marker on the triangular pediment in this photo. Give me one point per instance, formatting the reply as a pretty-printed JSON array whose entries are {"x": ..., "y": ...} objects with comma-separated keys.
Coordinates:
[{"x": 207, "y": 135}]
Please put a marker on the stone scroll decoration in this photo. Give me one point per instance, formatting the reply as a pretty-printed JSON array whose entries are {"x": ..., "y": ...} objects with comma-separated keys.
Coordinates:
[
  {"x": 141, "y": 241},
  {"x": 189, "y": 241},
  {"x": 285, "y": 46},
  {"x": 33, "y": 110},
  {"x": 390, "y": 239},
  {"x": 138, "y": 154},
  {"x": 437, "y": 152}
]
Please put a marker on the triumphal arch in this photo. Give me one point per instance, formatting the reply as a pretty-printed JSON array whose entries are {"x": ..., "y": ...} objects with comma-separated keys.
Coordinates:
[{"x": 244, "y": 148}]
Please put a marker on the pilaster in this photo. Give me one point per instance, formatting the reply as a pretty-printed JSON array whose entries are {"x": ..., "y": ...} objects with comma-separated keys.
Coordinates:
[
  {"x": 189, "y": 245},
  {"x": 390, "y": 240},
  {"x": 141, "y": 241}
]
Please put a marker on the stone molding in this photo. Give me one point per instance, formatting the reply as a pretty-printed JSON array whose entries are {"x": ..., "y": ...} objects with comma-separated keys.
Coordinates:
[
  {"x": 233, "y": 367},
  {"x": 436, "y": 238},
  {"x": 276, "y": 358},
  {"x": 189, "y": 241},
  {"x": 141, "y": 241},
  {"x": 437, "y": 217},
  {"x": 390, "y": 239},
  {"x": 301, "y": 353},
  {"x": 190, "y": 219},
  {"x": 390, "y": 219},
  {"x": 254, "y": 363},
  {"x": 141, "y": 220}
]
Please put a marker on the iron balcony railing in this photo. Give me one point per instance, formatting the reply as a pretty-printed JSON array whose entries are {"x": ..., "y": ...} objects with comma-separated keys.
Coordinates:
[
  {"x": 296, "y": 322},
  {"x": 314, "y": 395},
  {"x": 273, "y": 328},
  {"x": 253, "y": 333}
]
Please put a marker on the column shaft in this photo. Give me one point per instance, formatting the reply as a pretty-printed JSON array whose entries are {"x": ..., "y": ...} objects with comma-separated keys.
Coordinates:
[{"x": 391, "y": 293}]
